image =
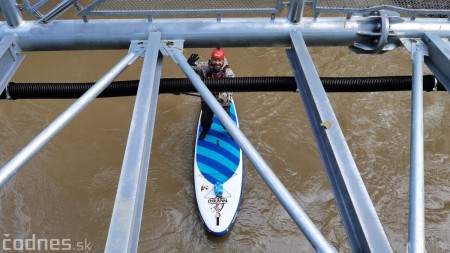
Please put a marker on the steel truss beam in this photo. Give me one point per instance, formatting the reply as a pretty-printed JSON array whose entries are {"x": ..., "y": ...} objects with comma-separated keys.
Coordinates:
[
  {"x": 236, "y": 32},
  {"x": 360, "y": 220},
  {"x": 123, "y": 235}
]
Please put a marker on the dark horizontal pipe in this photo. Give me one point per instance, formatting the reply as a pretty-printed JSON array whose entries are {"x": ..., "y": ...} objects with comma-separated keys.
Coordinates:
[{"x": 239, "y": 84}]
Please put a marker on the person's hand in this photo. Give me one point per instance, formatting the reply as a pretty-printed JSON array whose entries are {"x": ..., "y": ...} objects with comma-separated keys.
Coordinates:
[{"x": 192, "y": 59}]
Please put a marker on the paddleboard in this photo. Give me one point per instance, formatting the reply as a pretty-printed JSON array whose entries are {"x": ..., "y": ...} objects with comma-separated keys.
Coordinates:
[{"x": 218, "y": 176}]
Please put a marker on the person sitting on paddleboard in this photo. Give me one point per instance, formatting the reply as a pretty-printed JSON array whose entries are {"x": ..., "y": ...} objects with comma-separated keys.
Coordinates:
[{"x": 216, "y": 68}]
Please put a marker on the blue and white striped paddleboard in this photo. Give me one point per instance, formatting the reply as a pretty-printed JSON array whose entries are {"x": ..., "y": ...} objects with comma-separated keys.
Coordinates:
[{"x": 218, "y": 176}]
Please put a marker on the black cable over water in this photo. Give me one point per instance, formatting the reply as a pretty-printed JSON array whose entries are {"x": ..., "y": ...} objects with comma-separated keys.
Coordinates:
[{"x": 238, "y": 84}]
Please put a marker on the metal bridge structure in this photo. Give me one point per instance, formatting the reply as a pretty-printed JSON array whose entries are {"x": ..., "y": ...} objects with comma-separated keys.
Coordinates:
[{"x": 366, "y": 27}]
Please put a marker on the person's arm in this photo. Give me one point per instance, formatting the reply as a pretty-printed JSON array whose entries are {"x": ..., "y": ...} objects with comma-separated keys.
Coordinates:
[
  {"x": 192, "y": 61},
  {"x": 229, "y": 73},
  {"x": 224, "y": 98}
]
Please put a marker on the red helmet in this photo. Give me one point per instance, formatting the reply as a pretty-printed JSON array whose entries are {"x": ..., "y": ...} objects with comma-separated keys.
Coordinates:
[{"x": 218, "y": 54}]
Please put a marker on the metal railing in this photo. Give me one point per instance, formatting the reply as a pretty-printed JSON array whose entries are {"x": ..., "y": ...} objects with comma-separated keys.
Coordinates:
[
  {"x": 367, "y": 6},
  {"x": 180, "y": 7}
]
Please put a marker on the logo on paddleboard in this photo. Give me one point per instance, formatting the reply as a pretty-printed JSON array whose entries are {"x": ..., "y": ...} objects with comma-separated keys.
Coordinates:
[
  {"x": 204, "y": 187},
  {"x": 217, "y": 201}
]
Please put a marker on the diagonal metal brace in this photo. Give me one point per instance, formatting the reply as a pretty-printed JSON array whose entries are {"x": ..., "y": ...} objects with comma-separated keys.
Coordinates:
[{"x": 360, "y": 220}]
